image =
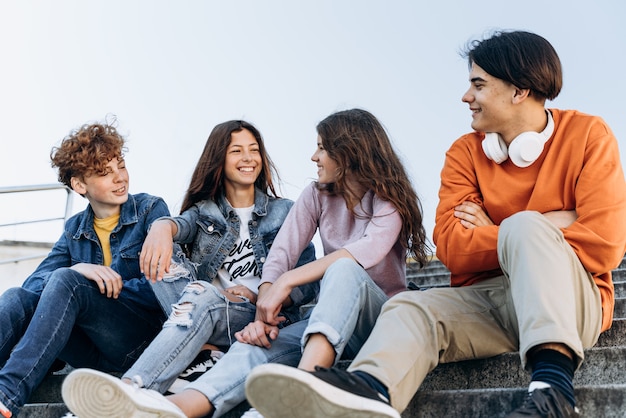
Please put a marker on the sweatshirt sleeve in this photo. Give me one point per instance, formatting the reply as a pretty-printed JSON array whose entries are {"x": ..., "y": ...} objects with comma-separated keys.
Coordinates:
[
  {"x": 599, "y": 232},
  {"x": 186, "y": 225},
  {"x": 465, "y": 252},
  {"x": 294, "y": 236},
  {"x": 379, "y": 237}
]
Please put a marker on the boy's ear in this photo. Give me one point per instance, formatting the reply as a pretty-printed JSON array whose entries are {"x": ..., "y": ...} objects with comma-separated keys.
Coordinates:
[
  {"x": 78, "y": 186},
  {"x": 520, "y": 95}
]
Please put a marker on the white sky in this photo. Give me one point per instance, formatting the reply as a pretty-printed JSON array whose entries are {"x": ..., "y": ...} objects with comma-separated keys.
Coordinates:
[{"x": 171, "y": 70}]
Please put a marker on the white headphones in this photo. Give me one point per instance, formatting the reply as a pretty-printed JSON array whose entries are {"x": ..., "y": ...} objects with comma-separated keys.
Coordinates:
[{"x": 524, "y": 149}]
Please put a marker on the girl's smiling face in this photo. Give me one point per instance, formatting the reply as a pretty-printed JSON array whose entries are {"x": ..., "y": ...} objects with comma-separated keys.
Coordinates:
[
  {"x": 327, "y": 168},
  {"x": 243, "y": 160}
]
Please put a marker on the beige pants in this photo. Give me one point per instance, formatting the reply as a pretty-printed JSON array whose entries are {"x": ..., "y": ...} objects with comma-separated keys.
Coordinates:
[{"x": 545, "y": 295}]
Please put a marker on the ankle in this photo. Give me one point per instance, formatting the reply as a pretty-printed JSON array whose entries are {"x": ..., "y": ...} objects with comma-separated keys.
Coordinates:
[{"x": 372, "y": 382}]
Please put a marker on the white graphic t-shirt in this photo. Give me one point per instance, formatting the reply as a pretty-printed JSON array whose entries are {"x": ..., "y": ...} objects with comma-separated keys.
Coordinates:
[{"x": 239, "y": 266}]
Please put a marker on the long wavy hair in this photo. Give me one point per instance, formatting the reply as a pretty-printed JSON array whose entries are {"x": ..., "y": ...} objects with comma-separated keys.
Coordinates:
[
  {"x": 358, "y": 143},
  {"x": 207, "y": 180}
]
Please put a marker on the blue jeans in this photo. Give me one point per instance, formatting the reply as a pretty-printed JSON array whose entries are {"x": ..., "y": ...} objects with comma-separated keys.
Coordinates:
[
  {"x": 70, "y": 320},
  {"x": 348, "y": 306},
  {"x": 200, "y": 313}
]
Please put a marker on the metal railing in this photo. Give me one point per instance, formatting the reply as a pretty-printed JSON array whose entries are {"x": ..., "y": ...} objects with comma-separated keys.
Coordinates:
[{"x": 37, "y": 188}]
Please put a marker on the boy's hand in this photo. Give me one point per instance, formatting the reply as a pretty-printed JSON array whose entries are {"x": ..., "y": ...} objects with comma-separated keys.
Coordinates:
[
  {"x": 471, "y": 215},
  {"x": 107, "y": 279},
  {"x": 156, "y": 253}
]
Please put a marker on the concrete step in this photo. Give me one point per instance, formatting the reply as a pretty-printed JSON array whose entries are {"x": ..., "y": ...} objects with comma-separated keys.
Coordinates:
[
  {"x": 505, "y": 371},
  {"x": 606, "y": 401},
  {"x": 609, "y": 350},
  {"x": 619, "y": 311},
  {"x": 438, "y": 275},
  {"x": 478, "y": 388},
  {"x": 614, "y": 336},
  {"x": 43, "y": 410},
  {"x": 620, "y": 289},
  {"x": 490, "y": 387}
]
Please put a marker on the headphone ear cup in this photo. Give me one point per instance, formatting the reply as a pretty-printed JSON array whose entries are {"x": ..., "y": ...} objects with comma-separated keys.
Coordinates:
[
  {"x": 495, "y": 148},
  {"x": 526, "y": 148}
]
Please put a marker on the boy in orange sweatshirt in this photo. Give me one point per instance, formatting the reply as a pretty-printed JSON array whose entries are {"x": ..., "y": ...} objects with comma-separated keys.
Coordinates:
[{"x": 530, "y": 223}]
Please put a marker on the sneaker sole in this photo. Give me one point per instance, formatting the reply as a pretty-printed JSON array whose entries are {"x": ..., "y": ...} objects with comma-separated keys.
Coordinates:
[
  {"x": 93, "y": 394},
  {"x": 279, "y": 391}
]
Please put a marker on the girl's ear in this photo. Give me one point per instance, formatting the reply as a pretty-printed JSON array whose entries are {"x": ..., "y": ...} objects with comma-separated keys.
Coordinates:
[{"x": 78, "y": 186}]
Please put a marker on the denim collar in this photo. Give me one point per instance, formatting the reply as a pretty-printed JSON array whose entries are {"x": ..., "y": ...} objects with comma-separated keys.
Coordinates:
[
  {"x": 261, "y": 201},
  {"x": 128, "y": 215}
]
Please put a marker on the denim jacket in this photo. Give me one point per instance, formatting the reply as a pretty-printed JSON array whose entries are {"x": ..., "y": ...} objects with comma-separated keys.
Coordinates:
[
  {"x": 212, "y": 228},
  {"x": 79, "y": 244}
]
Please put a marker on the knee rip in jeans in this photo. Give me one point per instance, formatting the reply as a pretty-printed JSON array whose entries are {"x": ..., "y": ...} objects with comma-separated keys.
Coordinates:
[
  {"x": 176, "y": 272},
  {"x": 180, "y": 315},
  {"x": 194, "y": 287}
]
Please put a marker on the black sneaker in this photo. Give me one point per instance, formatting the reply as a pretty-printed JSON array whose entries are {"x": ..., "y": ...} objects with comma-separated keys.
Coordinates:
[
  {"x": 280, "y": 391},
  {"x": 545, "y": 403},
  {"x": 200, "y": 365}
]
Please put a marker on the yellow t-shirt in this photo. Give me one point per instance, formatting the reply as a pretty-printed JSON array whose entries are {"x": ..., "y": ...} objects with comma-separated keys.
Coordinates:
[{"x": 103, "y": 229}]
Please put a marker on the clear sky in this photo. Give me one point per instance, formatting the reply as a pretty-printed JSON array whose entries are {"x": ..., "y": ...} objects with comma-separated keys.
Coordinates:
[{"x": 170, "y": 70}]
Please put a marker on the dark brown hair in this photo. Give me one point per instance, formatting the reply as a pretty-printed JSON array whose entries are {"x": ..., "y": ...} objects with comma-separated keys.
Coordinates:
[
  {"x": 207, "y": 180},
  {"x": 524, "y": 59},
  {"x": 357, "y": 141}
]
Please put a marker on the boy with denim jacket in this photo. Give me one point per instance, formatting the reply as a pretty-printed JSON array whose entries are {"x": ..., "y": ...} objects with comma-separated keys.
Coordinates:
[{"x": 87, "y": 303}]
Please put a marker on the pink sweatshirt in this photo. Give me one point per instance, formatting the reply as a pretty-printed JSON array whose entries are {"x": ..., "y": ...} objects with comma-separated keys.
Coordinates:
[{"x": 372, "y": 237}]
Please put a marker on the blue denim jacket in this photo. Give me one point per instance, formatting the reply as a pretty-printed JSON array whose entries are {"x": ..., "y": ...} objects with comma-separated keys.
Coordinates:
[
  {"x": 79, "y": 244},
  {"x": 212, "y": 228}
]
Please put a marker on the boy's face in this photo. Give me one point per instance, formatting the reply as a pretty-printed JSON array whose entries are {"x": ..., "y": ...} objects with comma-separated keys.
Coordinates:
[
  {"x": 105, "y": 192},
  {"x": 491, "y": 101}
]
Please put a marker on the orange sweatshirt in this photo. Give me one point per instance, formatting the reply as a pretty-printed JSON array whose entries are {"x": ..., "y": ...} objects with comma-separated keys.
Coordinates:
[{"x": 579, "y": 169}]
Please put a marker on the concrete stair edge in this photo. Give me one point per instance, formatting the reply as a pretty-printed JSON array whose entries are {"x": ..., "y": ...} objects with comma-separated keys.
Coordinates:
[
  {"x": 606, "y": 401},
  {"x": 450, "y": 389}
]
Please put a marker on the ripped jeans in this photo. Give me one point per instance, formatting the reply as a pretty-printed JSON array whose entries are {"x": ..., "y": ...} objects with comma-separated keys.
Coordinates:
[{"x": 199, "y": 314}]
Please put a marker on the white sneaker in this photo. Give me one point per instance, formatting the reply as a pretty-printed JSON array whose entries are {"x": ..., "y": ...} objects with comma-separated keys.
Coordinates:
[
  {"x": 93, "y": 394},
  {"x": 252, "y": 413}
]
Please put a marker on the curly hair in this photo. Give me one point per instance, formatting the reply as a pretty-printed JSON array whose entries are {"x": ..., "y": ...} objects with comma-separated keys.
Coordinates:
[
  {"x": 86, "y": 151},
  {"x": 357, "y": 141},
  {"x": 207, "y": 180}
]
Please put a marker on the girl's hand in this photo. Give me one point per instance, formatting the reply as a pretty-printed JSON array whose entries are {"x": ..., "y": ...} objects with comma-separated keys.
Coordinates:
[
  {"x": 156, "y": 253},
  {"x": 257, "y": 333},
  {"x": 270, "y": 301},
  {"x": 241, "y": 292},
  {"x": 471, "y": 215},
  {"x": 108, "y": 280}
]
